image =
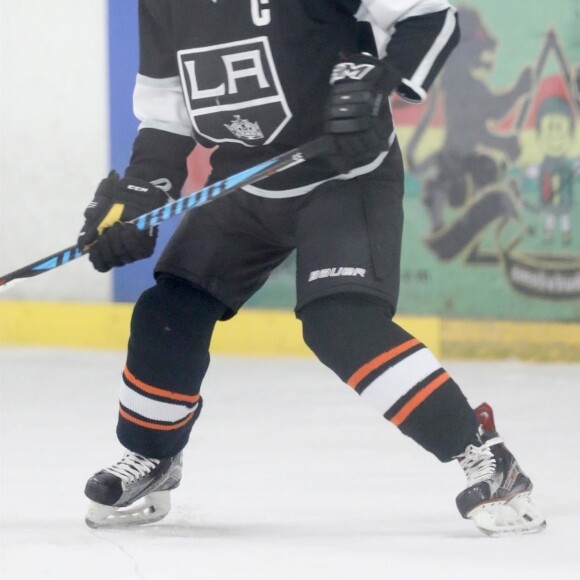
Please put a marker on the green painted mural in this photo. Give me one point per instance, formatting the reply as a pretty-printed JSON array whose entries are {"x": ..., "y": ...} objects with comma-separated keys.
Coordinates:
[{"x": 492, "y": 159}]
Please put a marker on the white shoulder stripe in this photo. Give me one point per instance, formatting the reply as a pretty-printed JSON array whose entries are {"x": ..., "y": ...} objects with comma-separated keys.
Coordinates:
[
  {"x": 159, "y": 104},
  {"x": 386, "y": 13}
]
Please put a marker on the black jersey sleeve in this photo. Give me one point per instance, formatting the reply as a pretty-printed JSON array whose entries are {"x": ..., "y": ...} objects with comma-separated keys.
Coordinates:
[
  {"x": 419, "y": 47},
  {"x": 165, "y": 136},
  {"x": 415, "y": 36},
  {"x": 161, "y": 158},
  {"x": 156, "y": 51}
]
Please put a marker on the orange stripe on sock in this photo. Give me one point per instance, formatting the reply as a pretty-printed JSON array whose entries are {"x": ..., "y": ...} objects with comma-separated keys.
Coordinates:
[
  {"x": 413, "y": 403},
  {"x": 379, "y": 360},
  {"x": 155, "y": 426},
  {"x": 159, "y": 392}
]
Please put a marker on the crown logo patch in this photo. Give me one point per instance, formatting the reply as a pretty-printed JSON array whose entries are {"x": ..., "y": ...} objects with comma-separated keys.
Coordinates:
[{"x": 244, "y": 129}]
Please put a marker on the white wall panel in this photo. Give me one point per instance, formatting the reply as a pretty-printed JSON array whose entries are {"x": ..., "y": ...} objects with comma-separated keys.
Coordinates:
[{"x": 54, "y": 138}]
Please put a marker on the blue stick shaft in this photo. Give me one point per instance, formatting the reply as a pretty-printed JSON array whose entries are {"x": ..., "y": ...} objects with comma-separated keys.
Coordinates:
[{"x": 180, "y": 206}]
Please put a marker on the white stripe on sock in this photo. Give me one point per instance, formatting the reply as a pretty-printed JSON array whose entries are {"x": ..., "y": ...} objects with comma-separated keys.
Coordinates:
[
  {"x": 152, "y": 409},
  {"x": 395, "y": 382}
]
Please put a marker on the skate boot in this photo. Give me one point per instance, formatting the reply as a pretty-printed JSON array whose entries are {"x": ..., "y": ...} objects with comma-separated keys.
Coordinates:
[
  {"x": 133, "y": 491},
  {"x": 497, "y": 496}
]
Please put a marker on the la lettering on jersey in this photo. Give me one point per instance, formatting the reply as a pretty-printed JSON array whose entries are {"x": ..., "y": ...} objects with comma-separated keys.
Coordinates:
[
  {"x": 253, "y": 76},
  {"x": 252, "y": 71}
]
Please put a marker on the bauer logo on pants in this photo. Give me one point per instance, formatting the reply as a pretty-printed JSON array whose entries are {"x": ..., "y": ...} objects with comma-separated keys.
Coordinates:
[
  {"x": 233, "y": 92},
  {"x": 333, "y": 272}
]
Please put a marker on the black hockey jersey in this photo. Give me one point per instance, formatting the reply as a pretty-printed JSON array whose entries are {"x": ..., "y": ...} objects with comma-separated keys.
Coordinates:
[{"x": 251, "y": 77}]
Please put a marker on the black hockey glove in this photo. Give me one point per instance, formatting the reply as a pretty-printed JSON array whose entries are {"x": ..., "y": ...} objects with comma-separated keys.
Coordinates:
[
  {"x": 117, "y": 201},
  {"x": 358, "y": 114}
]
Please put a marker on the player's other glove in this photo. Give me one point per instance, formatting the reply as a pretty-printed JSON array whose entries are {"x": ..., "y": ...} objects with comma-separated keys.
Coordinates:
[
  {"x": 357, "y": 113},
  {"x": 118, "y": 201}
]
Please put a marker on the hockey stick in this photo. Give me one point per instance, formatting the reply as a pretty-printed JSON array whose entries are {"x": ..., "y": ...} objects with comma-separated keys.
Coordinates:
[{"x": 174, "y": 208}]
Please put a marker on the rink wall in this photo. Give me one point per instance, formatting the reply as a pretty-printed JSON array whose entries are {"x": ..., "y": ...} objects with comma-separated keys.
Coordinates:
[
  {"x": 497, "y": 290},
  {"x": 264, "y": 332}
]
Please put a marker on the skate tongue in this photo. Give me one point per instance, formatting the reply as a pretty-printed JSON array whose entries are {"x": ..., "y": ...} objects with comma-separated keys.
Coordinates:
[{"x": 484, "y": 414}]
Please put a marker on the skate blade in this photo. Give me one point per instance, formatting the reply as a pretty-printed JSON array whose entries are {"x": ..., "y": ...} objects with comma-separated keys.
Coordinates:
[
  {"x": 150, "y": 509},
  {"x": 515, "y": 517}
]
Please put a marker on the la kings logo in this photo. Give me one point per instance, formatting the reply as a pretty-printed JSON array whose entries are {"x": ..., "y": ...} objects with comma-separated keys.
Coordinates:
[
  {"x": 245, "y": 129},
  {"x": 233, "y": 92}
]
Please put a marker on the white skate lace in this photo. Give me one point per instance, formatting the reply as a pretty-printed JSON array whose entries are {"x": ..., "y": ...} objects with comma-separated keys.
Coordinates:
[
  {"x": 479, "y": 462},
  {"x": 132, "y": 467}
]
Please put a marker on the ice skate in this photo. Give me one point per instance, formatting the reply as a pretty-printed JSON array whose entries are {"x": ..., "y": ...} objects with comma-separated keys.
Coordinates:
[
  {"x": 497, "y": 496},
  {"x": 133, "y": 491}
]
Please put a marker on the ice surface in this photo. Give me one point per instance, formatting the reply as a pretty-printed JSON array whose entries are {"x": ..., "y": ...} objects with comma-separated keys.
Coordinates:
[{"x": 288, "y": 476}]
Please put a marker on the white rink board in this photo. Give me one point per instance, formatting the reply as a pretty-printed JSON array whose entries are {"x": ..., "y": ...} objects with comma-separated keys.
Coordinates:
[
  {"x": 54, "y": 133},
  {"x": 288, "y": 476}
]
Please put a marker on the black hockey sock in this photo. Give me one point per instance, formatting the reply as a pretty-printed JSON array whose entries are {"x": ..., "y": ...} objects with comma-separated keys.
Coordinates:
[
  {"x": 355, "y": 337},
  {"x": 168, "y": 357}
]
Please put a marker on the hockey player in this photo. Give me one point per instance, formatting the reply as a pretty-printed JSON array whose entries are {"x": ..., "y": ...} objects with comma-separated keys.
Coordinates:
[{"x": 256, "y": 78}]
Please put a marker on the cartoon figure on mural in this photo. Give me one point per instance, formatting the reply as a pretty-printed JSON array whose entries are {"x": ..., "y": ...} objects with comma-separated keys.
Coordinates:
[
  {"x": 555, "y": 130},
  {"x": 507, "y": 167},
  {"x": 471, "y": 155}
]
